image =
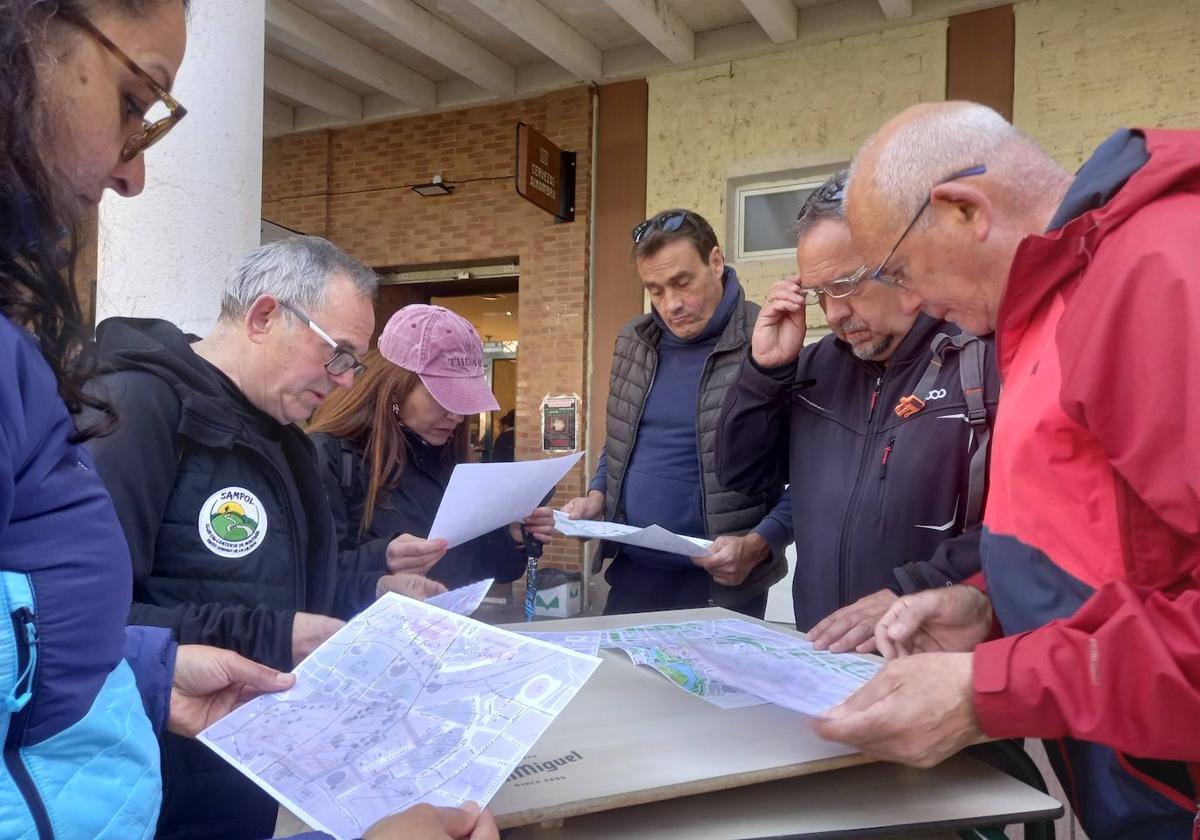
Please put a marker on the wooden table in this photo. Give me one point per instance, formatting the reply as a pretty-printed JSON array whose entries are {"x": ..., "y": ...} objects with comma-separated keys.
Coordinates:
[
  {"x": 874, "y": 800},
  {"x": 631, "y": 738}
]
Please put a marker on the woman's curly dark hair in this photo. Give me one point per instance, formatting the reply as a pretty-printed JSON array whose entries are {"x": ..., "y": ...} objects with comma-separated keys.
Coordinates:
[{"x": 39, "y": 237}]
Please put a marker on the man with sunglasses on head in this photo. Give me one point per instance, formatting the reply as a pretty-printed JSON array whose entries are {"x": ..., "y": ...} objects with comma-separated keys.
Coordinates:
[
  {"x": 219, "y": 495},
  {"x": 670, "y": 371},
  {"x": 883, "y": 436}
]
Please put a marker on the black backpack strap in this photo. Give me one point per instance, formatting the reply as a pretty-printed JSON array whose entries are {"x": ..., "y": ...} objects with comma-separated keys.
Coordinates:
[{"x": 346, "y": 477}]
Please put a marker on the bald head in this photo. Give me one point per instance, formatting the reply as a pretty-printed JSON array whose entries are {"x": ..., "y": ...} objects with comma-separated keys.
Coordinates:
[{"x": 956, "y": 257}]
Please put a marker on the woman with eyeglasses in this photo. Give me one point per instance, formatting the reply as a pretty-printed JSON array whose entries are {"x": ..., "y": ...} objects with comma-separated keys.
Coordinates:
[
  {"x": 82, "y": 697},
  {"x": 388, "y": 446}
]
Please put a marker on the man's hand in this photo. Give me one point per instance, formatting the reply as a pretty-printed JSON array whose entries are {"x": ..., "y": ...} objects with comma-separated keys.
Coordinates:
[
  {"x": 779, "y": 331},
  {"x": 309, "y": 631},
  {"x": 412, "y": 554},
  {"x": 414, "y": 586},
  {"x": 208, "y": 682},
  {"x": 853, "y": 626},
  {"x": 732, "y": 558},
  {"x": 590, "y": 506},
  {"x": 540, "y": 525},
  {"x": 917, "y": 711},
  {"x": 952, "y": 619},
  {"x": 427, "y": 822}
]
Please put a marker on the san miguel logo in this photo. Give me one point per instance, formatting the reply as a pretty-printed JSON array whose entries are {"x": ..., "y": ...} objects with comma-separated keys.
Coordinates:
[
  {"x": 533, "y": 772},
  {"x": 232, "y": 523}
]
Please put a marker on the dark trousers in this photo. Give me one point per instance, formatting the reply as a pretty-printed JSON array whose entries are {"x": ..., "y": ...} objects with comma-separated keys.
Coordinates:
[{"x": 636, "y": 587}]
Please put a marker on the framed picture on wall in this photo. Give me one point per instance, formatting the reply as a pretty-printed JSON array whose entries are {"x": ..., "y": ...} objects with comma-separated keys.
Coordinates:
[{"x": 560, "y": 416}]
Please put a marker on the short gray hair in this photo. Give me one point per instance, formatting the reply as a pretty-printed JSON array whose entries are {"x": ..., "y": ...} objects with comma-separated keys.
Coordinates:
[
  {"x": 297, "y": 270},
  {"x": 826, "y": 203},
  {"x": 923, "y": 151}
]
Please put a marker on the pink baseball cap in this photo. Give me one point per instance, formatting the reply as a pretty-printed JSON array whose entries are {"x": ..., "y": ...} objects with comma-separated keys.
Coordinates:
[{"x": 445, "y": 351}]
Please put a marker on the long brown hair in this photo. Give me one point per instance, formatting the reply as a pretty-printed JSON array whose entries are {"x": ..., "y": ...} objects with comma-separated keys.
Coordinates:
[
  {"x": 364, "y": 415},
  {"x": 367, "y": 415}
]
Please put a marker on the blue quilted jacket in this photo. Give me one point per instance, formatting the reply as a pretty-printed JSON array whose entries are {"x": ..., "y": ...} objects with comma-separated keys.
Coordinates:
[{"x": 80, "y": 753}]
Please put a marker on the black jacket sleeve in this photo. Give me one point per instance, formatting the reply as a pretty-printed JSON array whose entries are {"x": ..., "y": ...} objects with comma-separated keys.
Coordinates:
[
  {"x": 138, "y": 462},
  {"x": 955, "y": 560},
  {"x": 752, "y": 437}
]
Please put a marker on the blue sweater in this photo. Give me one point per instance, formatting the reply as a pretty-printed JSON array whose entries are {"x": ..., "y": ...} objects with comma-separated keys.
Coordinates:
[{"x": 662, "y": 483}]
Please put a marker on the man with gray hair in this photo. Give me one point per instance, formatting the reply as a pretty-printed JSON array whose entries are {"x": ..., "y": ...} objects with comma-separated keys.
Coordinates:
[
  {"x": 219, "y": 495},
  {"x": 880, "y": 424},
  {"x": 1091, "y": 539}
]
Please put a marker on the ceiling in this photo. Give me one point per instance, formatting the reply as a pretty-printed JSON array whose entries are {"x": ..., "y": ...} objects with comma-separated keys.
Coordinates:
[{"x": 339, "y": 62}]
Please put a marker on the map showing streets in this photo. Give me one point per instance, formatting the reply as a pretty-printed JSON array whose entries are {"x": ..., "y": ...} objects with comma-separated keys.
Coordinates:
[
  {"x": 732, "y": 664},
  {"x": 407, "y": 703}
]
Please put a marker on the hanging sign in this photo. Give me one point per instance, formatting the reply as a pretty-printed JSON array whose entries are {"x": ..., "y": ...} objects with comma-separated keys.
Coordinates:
[{"x": 545, "y": 174}]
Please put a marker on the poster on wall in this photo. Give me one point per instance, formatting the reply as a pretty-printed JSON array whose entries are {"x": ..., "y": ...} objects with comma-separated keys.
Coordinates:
[{"x": 560, "y": 425}]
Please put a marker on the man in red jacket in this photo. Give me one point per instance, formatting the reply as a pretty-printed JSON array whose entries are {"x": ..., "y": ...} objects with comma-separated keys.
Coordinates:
[{"x": 1091, "y": 546}]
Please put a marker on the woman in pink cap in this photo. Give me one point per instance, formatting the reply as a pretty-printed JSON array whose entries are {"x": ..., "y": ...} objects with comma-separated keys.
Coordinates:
[{"x": 389, "y": 444}]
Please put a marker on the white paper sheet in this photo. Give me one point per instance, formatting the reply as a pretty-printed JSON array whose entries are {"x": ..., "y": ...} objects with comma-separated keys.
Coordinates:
[
  {"x": 464, "y": 600},
  {"x": 407, "y": 703},
  {"x": 482, "y": 497},
  {"x": 654, "y": 536}
]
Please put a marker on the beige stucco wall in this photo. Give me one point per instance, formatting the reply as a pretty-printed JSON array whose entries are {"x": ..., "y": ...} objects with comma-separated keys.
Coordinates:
[
  {"x": 802, "y": 109},
  {"x": 1086, "y": 67}
]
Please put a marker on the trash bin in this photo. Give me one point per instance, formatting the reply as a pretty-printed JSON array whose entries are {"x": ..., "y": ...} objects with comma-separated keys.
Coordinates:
[{"x": 559, "y": 595}]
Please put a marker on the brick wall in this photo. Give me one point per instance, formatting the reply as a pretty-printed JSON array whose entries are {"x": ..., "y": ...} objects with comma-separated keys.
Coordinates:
[
  {"x": 352, "y": 185},
  {"x": 1087, "y": 67}
]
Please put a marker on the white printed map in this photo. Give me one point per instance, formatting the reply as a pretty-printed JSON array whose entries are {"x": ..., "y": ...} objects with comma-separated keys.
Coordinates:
[
  {"x": 407, "y": 703},
  {"x": 464, "y": 600},
  {"x": 653, "y": 536},
  {"x": 581, "y": 641},
  {"x": 733, "y": 664}
]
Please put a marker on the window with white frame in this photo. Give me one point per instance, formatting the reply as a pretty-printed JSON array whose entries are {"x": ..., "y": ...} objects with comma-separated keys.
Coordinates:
[{"x": 766, "y": 216}]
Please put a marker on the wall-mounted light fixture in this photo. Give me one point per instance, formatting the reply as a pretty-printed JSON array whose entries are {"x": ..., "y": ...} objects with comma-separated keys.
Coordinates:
[{"x": 434, "y": 187}]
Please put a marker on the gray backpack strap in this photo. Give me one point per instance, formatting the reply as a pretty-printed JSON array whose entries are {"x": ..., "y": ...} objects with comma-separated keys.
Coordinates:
[
  {"x": 971, "y": 362},
  {"x": 914, "y": 402}
]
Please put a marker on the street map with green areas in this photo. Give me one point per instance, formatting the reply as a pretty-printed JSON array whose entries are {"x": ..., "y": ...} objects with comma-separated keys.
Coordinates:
[{"x": 733, "y": 663}]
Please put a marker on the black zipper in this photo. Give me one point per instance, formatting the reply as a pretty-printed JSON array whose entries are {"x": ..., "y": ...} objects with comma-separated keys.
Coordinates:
[
  {"x": 853, "y": 500},
  {"x": 636, "y": 425},
  {"x": 301, "y": 566},
  {"x": 887, "y": 456},
  {"x": 699, "y": 457},
  {"x": 25, "y": 632}
]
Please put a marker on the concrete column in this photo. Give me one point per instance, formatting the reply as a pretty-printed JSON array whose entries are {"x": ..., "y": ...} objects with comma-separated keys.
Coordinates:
[{"x": 165, "y": 253}]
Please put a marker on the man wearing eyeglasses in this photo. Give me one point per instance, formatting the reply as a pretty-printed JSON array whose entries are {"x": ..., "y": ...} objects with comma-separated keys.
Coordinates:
[
  {"x": 670, "y": 372},
  {"x": 1091, "y": 539},
  {"x": 218, "y": 492},
  {"x": 876, "y": 426}
]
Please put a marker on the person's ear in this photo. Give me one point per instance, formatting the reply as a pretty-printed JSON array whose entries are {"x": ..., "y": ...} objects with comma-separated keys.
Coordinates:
[
  {"x": 963, "y": 204},
  {"x": 716, "y": 260},
  {"x": 263, "y": 316},
  {"x": 910, "y": 302}
]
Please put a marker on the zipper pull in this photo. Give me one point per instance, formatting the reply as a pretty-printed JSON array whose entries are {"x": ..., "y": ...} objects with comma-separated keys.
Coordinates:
[
  {"x": 887, "y": 454},
  {"x": 875, "y": 397}
]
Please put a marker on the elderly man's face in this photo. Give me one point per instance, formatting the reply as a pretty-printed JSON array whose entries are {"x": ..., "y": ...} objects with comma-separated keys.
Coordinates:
[
  {"x": 940, "y": 261},
  {"x": 294, "y": 356},
  {"x": 874, "y": 319},
  {"x": 684, "y": 289}
]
